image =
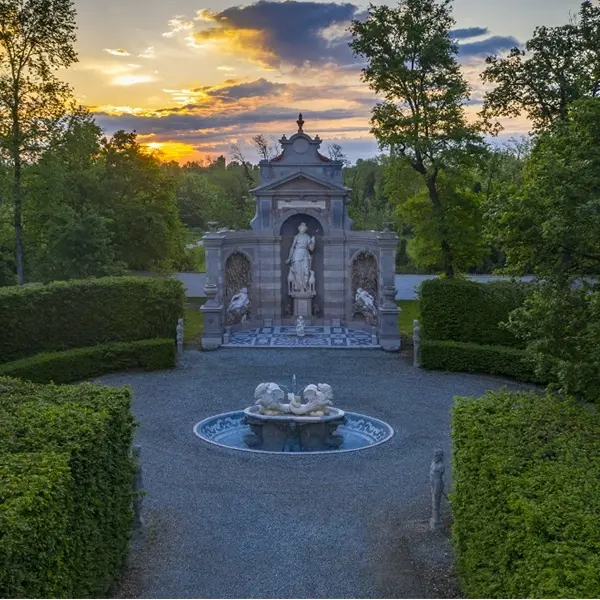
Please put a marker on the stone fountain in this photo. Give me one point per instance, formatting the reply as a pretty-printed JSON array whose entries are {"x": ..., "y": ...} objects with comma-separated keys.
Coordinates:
[{"x": 307, "y": 421}]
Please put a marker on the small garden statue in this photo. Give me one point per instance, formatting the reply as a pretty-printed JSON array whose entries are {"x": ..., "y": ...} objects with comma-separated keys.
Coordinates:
[
  {"x": 180, "y": 337},
  {"x": 416, "y": 343},
  {"x": 365, "y": 304},
  {"x": 239, "y": 307},
  {"x": 436, "y": 479},
  {"x": 300, "y": 326}
]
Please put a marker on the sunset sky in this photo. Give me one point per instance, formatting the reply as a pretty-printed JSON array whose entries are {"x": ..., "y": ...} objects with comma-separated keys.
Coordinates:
[{"x": 194, "y": 76}]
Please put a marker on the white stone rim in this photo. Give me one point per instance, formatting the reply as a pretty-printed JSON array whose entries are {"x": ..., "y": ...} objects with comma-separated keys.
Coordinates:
[{"x": 388, "y": 437}]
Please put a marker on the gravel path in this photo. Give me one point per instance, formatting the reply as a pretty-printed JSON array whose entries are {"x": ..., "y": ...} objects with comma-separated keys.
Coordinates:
[{"x": 228, "y": 524}]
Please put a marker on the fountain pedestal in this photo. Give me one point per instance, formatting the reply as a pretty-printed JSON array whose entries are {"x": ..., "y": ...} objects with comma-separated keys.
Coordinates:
[{"x": 272, "y": 433}]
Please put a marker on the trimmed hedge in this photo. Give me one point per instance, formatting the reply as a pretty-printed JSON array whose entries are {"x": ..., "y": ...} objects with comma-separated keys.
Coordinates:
[
  {"x": 526, "y": 505},
  {"x": 92, "y": 426},
  {"x": 82, "y": 363},
  {"x": 34, "y": 521},
  {"x": 77, "y": 314},
  {"x": 460, "y": 310},
  {"x": 476, "y": 358}
]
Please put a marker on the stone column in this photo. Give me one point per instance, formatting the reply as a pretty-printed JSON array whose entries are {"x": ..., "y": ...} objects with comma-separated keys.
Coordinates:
[
  {"x": 268, "y": 285},
  {"x": 212, "y": 334},
  {"x": 389, "y": 335},
  {"x": 334, "y": 278}
]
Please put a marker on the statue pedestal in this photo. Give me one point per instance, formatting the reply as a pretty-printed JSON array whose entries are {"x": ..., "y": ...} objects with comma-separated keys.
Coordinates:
[{"x": 303, "y": 303}]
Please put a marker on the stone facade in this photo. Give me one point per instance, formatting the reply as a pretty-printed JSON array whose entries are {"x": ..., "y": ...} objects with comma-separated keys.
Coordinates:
[{"x": 301, "y": 186}]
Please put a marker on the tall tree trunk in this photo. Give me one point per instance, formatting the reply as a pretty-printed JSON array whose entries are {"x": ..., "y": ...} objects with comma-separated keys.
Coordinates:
[
  {"x": 447, "y": 258},
  {"x": 18, "y": 217}
]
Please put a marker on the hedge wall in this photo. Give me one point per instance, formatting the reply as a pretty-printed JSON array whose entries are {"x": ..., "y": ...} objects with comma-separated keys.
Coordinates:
[
  {"x": 34, "y": 521},
  {"x": 475, "y": 358},
  {"x": 526, "y": 505},
  {"x": 92, "y": 428},
  {"x": 76, "y": 314},
  {"x": 460, "y": 310},
  {"x": 82, "y": 363}
]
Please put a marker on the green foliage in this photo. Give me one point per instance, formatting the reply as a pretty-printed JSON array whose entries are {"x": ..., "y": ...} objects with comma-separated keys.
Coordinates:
[
  {"x": 91, "y": 428},
  {"x": 78, "y": 364},
  {"x": 75, "y": 314},
  {"x": 466, "y": 311},
  {"x": 561, "y": 328},
  {"x": 559, "y": 66},
  {"x": 525, "y": 505},
  {"x": 195, "y": 259},
  {"x": 410, "y": 311},
  {"x": 465, "y": 357},
  {"x": 194, "y": 321},
  {"x": 34, "y": 521},
  {"x": 412, "y": 61}
]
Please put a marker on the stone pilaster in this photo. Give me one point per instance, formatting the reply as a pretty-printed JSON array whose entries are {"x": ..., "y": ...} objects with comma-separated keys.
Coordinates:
[
  {"x": 389, "y": 335},
  {"x": 212, "y": 334},
  {"x": 334, "y": 278}
]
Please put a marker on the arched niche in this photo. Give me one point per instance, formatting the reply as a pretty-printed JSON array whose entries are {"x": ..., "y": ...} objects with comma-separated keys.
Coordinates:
[
  {"x": 238, "y": 275},
  {"x": 365, "y": 274},
  {"x": 287, "y": 231}
]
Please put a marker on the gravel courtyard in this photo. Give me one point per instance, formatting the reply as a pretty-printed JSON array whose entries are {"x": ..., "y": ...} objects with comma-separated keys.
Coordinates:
[{"x": 226, "y": 524}]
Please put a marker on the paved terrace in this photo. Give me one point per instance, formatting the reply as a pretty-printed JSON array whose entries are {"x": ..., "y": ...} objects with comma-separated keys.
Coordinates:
[{"x": 227, "y": 524}]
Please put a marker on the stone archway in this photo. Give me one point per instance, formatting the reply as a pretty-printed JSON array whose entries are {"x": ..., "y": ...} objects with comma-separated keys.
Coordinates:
[{"x": 289, "y": 228}]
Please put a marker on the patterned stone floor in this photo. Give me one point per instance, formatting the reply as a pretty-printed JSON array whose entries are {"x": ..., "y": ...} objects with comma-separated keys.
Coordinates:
[{"x": 315, "y": 337}]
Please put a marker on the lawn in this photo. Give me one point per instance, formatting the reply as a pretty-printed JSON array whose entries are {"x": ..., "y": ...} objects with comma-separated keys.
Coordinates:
[{"x": 194, "y": 319}]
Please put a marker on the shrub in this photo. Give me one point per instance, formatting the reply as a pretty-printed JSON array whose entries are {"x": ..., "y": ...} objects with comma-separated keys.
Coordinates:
[
  {"x": 465, "y": 311},
  {"x": 82, "y": 363},
  {"x": 526, "y": 505},
  {"x": 92, "y": 426},
  {"x": 34, "y": 521},
  {"x": 475, "y": 358},
  {"x": 76, "y": 314}
]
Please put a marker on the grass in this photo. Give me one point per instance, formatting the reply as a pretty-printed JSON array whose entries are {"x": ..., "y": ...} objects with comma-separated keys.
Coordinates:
[
  {"x": 194, "y": 319},
  {"x": 198, "y": 255},
  {"x": 410, "y": 311}
]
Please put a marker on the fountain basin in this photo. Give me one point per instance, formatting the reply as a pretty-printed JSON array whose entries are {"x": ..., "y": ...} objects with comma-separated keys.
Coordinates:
[
  {"x": 274, "y": 432},
  {"x": 228, "y": 430}
]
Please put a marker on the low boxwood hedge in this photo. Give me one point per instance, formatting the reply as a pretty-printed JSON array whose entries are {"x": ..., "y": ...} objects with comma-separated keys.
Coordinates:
[
  {"x": 35, "y": 511},
  {"x": 82, "y": 313},
  {"x": 82, "y": 363},
  {"x": 92, "y": 427},
  {"x": 460, "y": 310},
  {"x": 476, "y": 358},
  {"x": 526, "y": 506}
]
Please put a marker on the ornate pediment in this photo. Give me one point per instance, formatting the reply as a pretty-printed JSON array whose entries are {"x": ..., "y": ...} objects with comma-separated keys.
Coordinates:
[{"x": 298, "y": 183}]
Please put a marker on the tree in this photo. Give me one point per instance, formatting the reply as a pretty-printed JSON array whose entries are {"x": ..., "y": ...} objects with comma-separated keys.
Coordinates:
[
  {"x": 549, "y": 226},
  {"x": 37, "y": 37},
  {"x": 558, "y": 66},
  {"x": 412, "y": 62},
  {"x": 266, "y": 150},
  {"x": 336, "y": 153}
]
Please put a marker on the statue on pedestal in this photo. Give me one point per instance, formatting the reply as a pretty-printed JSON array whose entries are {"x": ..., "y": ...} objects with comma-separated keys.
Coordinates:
[
  {"x": 365, "y": 303},
  {"x": 300, "y": 276},
  {"x": 239, "y": 307}
]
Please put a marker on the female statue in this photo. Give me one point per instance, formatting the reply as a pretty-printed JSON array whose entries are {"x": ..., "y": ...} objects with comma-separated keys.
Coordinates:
[{"x": 300, "y": 260}]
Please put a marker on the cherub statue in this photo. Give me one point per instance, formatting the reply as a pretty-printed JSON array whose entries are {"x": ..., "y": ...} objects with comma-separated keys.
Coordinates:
[
  {"x": 239, "y": 307},
  {"x": 269, "y": 396},
  {"x": 318, "y": 400}
]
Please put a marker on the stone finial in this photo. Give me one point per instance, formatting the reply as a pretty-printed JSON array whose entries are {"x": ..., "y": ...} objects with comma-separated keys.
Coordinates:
[
  {"x": 436, "y": 479},
  {"x": 300, "y": 123}
]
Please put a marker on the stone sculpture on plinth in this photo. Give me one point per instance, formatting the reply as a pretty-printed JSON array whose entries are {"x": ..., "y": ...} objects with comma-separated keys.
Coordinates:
[
  {"x": 365, "y": 303},
  {"x": 239, "y": 307},
  {"x": 436, "y": 480},
  {"x": 301, "y": 279}
]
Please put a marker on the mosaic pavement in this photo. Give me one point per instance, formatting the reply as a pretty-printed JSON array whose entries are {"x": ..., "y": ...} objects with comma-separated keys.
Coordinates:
[{"x": 315, "y": 337}]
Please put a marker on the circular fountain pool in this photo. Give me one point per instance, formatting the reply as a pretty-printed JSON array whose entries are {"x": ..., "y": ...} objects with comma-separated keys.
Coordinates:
[{"x": 229, "y": 430}]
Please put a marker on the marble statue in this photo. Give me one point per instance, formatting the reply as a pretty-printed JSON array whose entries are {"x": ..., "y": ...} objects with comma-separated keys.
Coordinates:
[
  {"x": 300, "y": 277},
  {"x": 416, "y": 343},
  {"x": 314, "y": 401},
  {"x": 269, "y": 396},
  {"x": 180, "y": 336},
  {"x": 300, "y": 326},
  {"x": 239, "y": 307},
  {"x": 436, "y": 479},
  {"x": 366, "y": 305}
]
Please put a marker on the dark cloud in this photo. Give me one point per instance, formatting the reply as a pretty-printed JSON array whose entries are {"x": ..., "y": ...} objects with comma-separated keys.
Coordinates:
[
  {"x": 188, "y": 122},
  {"x": 469, "y": 32},
  {"x": 288, "y": 32},
  {"x": 252, "y": 89},
  {"x": 488, "y": 47}
]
